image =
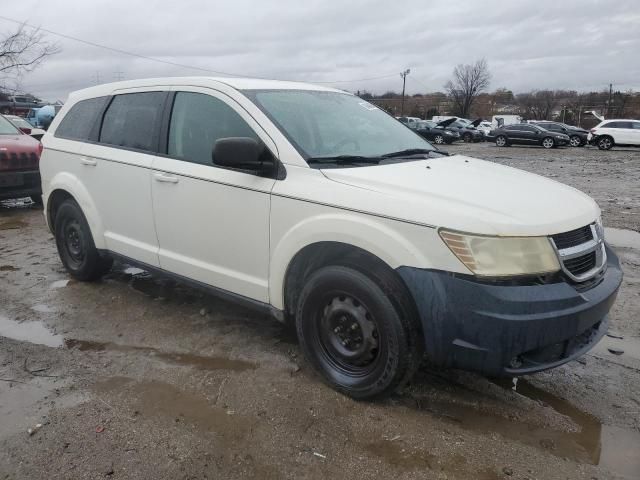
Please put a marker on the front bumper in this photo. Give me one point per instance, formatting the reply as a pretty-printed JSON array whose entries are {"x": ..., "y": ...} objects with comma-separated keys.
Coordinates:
[
  {"x": 29, "y": 184},
  {"x": 509, "y": 330}
]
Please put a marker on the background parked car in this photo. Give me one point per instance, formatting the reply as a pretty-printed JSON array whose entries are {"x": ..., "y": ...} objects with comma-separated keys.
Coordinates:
[
  {"x": 577, "y": 135},
  {"x": 484, "y": 127},
  {"x": 465, "y": 128},
  {"x": 25, "y": 127},
  {"x": 411, "y": 122},
  {"x": 436, "y": 134},
  {"x": 19, "y": 104},
  {"x": 19, "y": 163},
  {"x": 615, "y": 132},
  {"x": 528, "y": 134}
]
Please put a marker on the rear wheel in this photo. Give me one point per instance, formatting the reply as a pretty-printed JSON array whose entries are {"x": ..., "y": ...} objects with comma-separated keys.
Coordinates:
[
  {"x": 501, "y": 141},
  {"x": 575, "y": 141},
  {"x": 355, "y": 334},
  {"x": 439, "y": 139},
  {"x": 75, "y": 244},
  {"x": 548, "y": 142},
  {"x": 605, "y": 143},
  {"x": 468, "y": 138}
]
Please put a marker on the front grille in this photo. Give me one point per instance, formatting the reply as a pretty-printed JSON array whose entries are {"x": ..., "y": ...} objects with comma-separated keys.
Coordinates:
[
  {"x": 574, "y": 237},
  {"x": 581, "y": 253},
  {"x": 15, "y": 161},
  {"x": 581, "y": 264}
]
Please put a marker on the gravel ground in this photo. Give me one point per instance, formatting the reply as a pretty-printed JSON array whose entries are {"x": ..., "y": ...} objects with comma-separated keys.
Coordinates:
[{"x": 137, "y": 377}]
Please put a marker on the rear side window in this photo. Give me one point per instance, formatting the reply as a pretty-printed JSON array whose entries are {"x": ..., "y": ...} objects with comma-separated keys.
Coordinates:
[
  {"x": 617, "y": 125},
  {"x": 78, "y": 122},
  {"x": 197, "y": 121},
  {"x": 132, "y": 120}
]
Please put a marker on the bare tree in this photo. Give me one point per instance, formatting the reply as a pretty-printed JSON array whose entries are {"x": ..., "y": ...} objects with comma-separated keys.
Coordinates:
[
  {"x": 22, "y": 51},
  {"x": 538, "y": 105},
  {"x": 467, "y": 83}
]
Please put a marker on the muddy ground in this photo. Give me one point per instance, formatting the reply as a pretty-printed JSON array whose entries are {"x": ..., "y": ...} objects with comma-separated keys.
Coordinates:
[{"x": 137, "y": 377}]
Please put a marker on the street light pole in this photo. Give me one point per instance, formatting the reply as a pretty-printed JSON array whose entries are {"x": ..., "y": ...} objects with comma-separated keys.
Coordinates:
[{"x": 404, "y": 81}]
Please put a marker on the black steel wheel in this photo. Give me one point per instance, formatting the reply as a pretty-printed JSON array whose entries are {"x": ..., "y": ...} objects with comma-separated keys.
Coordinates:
[
  {"x": 354, "y": 336},
  {"x": 75, "y": 244}
]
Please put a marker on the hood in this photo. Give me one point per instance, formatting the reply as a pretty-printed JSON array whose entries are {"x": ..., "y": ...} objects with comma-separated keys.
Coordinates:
[
  {"x": 447, "y": 122},
  {"x": 467, "y": 194}
]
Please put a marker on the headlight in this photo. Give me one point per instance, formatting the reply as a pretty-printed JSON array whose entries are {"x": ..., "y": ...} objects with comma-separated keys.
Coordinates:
[
  {"x": 502, "y": 256},
  {"x": 446, "y": 132}
]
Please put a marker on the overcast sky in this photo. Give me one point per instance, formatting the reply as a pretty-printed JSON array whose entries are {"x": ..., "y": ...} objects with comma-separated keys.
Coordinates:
[{"x": 582, "y": 45}]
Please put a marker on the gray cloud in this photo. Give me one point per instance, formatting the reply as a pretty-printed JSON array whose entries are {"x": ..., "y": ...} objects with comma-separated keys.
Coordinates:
[{"x": 580, "y": 45}]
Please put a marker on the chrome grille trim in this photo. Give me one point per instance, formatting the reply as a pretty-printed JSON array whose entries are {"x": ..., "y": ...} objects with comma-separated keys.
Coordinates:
[{"x": 596, "y": 244}]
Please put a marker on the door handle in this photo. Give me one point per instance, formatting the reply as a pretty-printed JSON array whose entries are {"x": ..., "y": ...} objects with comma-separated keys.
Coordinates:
[
  {"x": 162, "y": 177},
  {"x": 88, "y": 162}
]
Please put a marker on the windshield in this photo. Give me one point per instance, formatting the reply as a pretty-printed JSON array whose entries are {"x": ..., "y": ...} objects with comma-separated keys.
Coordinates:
[
  {"x": 6, "y": 128},
  {"x": 20, "y": 122},
  {"x": 332, "y": 124}
]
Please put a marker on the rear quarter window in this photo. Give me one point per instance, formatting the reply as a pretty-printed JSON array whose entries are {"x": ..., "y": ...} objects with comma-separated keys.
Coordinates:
[{"x": 80, "y": 119}]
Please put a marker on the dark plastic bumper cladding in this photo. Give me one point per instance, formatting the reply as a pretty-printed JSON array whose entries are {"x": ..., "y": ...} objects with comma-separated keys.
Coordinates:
[{"x": 502, "y": 330}]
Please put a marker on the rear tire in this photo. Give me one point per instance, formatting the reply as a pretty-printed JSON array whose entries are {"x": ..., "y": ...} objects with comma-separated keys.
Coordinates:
[
  {"x": 361, "y": 338},
  {"x": 605, "y": 143},
  {"x": 501, "y": 141},
  {"x": 75, "y": 244}
]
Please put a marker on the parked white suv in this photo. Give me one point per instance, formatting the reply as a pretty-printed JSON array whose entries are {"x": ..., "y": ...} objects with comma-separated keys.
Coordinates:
[
  {"x": 316, "y": 206},
  {"x": 615, "y": 132}
]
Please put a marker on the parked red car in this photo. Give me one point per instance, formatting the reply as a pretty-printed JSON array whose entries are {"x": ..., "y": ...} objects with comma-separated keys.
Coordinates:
[{"x": 19, "y": 163}]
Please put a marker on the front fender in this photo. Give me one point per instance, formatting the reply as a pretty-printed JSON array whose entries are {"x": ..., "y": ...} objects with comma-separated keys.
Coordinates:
[
  {"x": 378, "y": 236},
  {"x": 72, "y": 185}
]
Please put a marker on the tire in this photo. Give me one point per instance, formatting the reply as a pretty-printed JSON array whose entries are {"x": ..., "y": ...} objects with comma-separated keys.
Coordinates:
[
  {"x": 5, "y": 111},
  {"x": 605, "y": 142},
  {"x": 501, "y": 141},
  {"x": 438, "y": 139},
  {"x": 575, "y": 141},
  {"x": 37, "y": 199},
  {"x": 548, "y": 142},
  {"x": 75, "y": 244},
  {"x": 467, "y": 137},
  {"x": 363, "y": 339}
]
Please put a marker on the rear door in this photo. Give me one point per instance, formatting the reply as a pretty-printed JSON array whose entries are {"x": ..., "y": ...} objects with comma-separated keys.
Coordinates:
[
  {"x": 212, "y": 222},
  {"x": 116, "y": 168},
  {"x": 514, "y": 134}
]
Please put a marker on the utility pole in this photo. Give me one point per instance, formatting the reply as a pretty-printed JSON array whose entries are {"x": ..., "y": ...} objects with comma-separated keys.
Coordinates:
[
  {"x": 117, "y": 76},
  {"x": 96, "y": 79},
  {"x": 609, "y": 104},
  {"x": 404, "y": 81}
]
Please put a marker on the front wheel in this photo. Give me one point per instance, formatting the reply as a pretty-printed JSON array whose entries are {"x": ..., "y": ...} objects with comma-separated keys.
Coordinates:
[
  {"x": 548, "y": 142},
  {"x": 75, "y": 244},
  {"x": 355, "y": 334},
  {"x": 501, "y": 141},
  {"x": 467, "y": 138},
  {"x": 575, "y": 141},
  {"x": 605, "y": 143},
  {"x": 439, "y": 139}
]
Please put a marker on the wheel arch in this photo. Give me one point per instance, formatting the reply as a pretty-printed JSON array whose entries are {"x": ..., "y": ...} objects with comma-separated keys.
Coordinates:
[{"x": 65, "y": 186}]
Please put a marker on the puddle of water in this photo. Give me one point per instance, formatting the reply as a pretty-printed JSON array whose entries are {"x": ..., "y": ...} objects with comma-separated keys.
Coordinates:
[
  {"x": 593, "y": 443},
  {"x": 59, "y": 284},
  {"x": 622, "y": 238},
  {"x": 42, "y": 308},
  {"x": 8, "y": 268},
  {"x": 158, "y": 399},
  {"x": 12, "y": 225},
  {"x": 184, "y": 359},
  {"x": 32, "y": 332},
  {"x": 23, "y": 405}
]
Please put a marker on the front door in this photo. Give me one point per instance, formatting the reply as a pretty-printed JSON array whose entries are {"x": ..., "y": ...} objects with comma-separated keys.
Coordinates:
[{"x": 212, "y": 223}]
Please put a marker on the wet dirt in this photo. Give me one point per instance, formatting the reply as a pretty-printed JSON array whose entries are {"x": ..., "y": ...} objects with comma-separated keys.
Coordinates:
[{"x": 186, "y": 386}]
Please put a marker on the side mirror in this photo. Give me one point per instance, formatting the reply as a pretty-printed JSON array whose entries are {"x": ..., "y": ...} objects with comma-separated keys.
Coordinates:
[{"x": 243, "y": 153}]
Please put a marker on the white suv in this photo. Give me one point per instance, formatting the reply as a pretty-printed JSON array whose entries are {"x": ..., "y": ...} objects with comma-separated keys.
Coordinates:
[
  {"x": 316, "y": 206},
  {"x": 615, "y": 132}
]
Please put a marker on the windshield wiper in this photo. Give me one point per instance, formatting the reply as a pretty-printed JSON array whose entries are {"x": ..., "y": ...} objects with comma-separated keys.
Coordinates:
[
  {"x": 344, "y": 159},
  {"x": 410, "y": 151}
]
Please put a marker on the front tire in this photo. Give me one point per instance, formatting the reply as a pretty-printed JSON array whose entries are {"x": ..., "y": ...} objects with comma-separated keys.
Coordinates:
[
  {"x": 75, "y": 244},
  {"x": 467, "y": 138},
  {"x": 575, "y": 141},
  {"x": 548, "y": 142},
  {"x": 438, "y": 139},
  {"x": 501, "y": 141},
  {"x": 355, "y": 334},
  {"x": 605, "y": 143}
]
